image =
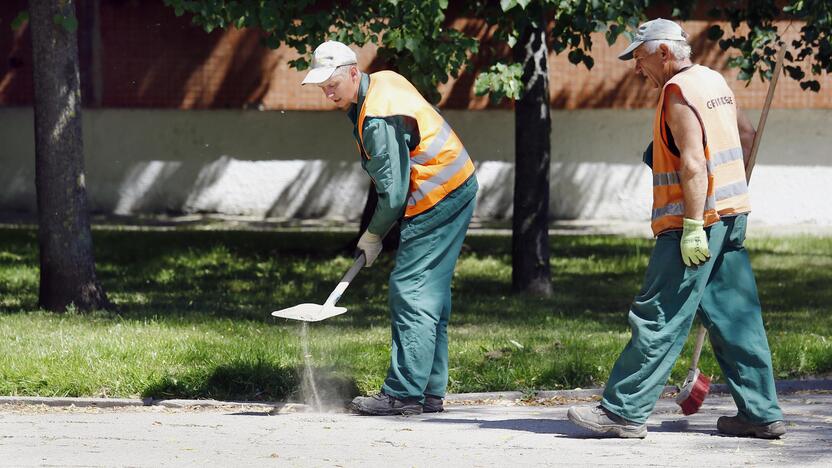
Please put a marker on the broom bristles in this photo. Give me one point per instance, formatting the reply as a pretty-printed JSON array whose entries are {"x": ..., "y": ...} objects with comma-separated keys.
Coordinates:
[{"x": 698, "y": 392}]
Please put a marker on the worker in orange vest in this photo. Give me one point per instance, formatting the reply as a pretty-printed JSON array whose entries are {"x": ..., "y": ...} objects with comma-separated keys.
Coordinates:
[
  {"x": 423, "y": 176},
  {"x": 699, "y": 264}
]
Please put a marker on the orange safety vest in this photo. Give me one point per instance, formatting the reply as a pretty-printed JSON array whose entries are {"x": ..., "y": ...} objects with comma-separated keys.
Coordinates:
[
  {"x": 439, "y": 163},
  {"x": 712, "y": 100}
]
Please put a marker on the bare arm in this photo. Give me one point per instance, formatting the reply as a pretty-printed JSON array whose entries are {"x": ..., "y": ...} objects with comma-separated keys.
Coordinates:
[
  {"x": 687, "y": 132},
  {"x": 747, "y": 134}
]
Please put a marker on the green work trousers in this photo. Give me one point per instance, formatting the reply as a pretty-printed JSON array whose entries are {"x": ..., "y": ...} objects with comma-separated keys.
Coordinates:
[
  {"x": 724, "y": 293},
  {"x": 420, "y": 296}
]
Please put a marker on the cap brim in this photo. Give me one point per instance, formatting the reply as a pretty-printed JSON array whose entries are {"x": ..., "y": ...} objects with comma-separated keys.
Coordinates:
[
  {"x": 628, "y": 52},
  {"x": 318, "y": 75}
]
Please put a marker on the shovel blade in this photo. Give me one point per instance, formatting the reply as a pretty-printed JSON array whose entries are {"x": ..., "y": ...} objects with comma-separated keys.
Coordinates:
[{"x": 309, "y": 312}]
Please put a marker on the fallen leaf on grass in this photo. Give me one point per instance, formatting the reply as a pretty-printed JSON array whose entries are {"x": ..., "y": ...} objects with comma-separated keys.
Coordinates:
[{"x": 496, "y": 354}]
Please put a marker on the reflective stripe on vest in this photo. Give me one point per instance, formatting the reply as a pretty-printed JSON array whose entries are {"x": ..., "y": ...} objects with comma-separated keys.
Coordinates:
[
  {"x": 435, "y": 146},
  {"x": 439, "y": 163},
  {"x": 678, "y": 209},
  {"x": 443, "y": 176},
  {"x": 727, "y": 191},
  {"x": 722, "y": 192}
]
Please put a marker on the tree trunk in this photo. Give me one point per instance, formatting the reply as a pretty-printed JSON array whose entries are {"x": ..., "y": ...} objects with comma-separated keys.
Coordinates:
[
  {"x": 532, "y": 125},
  {"x": 67, "y": 268}
]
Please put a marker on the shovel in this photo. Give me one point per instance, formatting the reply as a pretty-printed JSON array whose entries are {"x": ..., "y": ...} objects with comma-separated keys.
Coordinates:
[{"x": 315, "y": 312}]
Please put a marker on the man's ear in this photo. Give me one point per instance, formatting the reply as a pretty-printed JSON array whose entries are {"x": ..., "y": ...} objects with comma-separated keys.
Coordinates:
[{"x": 665, "y": 52}]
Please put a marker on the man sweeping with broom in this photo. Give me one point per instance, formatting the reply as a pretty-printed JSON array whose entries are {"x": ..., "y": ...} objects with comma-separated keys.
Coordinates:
[
  {"x": 700, "y": 204},
  {"x": 423, "y": 175}
]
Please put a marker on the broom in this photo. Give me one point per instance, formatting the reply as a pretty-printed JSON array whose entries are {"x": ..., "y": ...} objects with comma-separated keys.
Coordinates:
[{"x": 696, "y": 386}]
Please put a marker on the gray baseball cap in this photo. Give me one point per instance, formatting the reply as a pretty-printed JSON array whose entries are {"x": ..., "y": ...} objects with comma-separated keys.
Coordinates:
[
  {"x": 326, "y": 58},
  {"x": 657, "y": 29}
]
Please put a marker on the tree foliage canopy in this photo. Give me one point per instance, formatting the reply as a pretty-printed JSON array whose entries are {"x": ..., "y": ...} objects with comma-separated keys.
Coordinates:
[
  {"x": 412, "y": 38},
  {"x": 753, "y": 40},
  {"x": 811, "y": 51},
  {"x": 410, "y": 33},
  {"x": 573, "y": 22}
]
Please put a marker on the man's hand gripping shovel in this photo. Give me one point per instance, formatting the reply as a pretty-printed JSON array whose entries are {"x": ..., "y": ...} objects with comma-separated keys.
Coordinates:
[{"x": 315, "y": 312}]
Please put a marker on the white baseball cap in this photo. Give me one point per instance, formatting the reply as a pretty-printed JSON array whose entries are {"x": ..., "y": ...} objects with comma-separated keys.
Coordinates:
[
  {"x": 326, "y": 58},
  {"x": 657, "y": 29}
]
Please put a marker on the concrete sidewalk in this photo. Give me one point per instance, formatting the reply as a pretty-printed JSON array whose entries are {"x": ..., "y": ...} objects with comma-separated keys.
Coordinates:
[{"x": 500, "y": 434}]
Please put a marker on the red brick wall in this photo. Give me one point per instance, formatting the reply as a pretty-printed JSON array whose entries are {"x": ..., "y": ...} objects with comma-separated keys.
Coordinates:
[{"x": 150, "y": 58}]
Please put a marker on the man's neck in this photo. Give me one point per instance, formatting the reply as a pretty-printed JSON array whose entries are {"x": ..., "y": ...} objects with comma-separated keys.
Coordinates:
[{"x": 678, "y": 66}]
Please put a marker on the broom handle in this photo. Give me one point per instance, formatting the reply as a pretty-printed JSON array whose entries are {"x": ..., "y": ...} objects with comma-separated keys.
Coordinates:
[
  {"x": 697, "y": 350},
  {"x": 752, "y": 158},
  {"x": 778, "y": 68}
]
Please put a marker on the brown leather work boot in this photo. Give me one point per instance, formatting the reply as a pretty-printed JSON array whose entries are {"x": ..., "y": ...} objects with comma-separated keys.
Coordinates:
[
  {"x": 740, "y": 427},
  {"x": 433, "y": 404}
]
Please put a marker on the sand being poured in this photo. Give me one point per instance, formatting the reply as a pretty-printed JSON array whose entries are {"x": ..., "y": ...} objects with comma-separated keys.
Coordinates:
[{"x": 309, "y": 389}]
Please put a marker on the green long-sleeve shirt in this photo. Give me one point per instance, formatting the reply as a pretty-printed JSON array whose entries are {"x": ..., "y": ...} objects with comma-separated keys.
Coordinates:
[{"x": 388, "y": 142}]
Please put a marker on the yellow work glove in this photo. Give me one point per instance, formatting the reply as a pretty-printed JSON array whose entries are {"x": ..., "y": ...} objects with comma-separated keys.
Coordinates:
[
  {"x": 694, "y": 243},
  {"x": 371, "y": 245}
]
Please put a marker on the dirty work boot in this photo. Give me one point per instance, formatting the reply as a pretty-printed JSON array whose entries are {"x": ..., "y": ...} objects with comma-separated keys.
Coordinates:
[
  {"x": 382, "y": 404},
  {"x": 741, "y": 427},
  {"x": 433, "y": 404},
  {"x": 600, "y": 420}
]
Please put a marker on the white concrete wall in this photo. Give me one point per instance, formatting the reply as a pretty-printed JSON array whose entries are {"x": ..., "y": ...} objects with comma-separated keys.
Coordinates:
[{"x": 304, "y": 164}]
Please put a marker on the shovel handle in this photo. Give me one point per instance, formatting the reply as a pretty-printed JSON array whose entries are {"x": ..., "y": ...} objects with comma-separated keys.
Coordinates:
[
  {"x": 697, "y": 349},
  {"x": 357, "y": 265}
]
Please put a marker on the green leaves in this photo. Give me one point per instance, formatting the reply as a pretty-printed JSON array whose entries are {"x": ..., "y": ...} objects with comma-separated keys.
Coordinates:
[
  {"x": 501, "y": 81},
  {"x": 69, "y": 22},
  {"x": 794, "y": 72},
  {"x": 409, "y": 33},
  {"x": 507, "y": 5},
  {"x": 412, "y": 40},
  {"x": 18, "y": 20},
  {"x": 574, "y": 23},
  {"x": 588, "y": 62},
  {"x": 794, "y": 7},
  {"x": 813, "y": 85},
  {"x": 758, "y": 44},
  {"x": 577, "y": 56},
  {"x": 715, "y": 32},
  {"x": 612, "y": 33}
]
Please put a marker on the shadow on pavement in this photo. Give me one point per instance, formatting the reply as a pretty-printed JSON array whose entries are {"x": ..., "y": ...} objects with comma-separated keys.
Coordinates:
[
  {"x": 537, "y": 426},
  {"x": 566, "y": 428}
]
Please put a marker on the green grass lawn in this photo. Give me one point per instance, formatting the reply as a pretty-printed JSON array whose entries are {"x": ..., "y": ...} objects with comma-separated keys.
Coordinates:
[{"x": 193, "y": 316}]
